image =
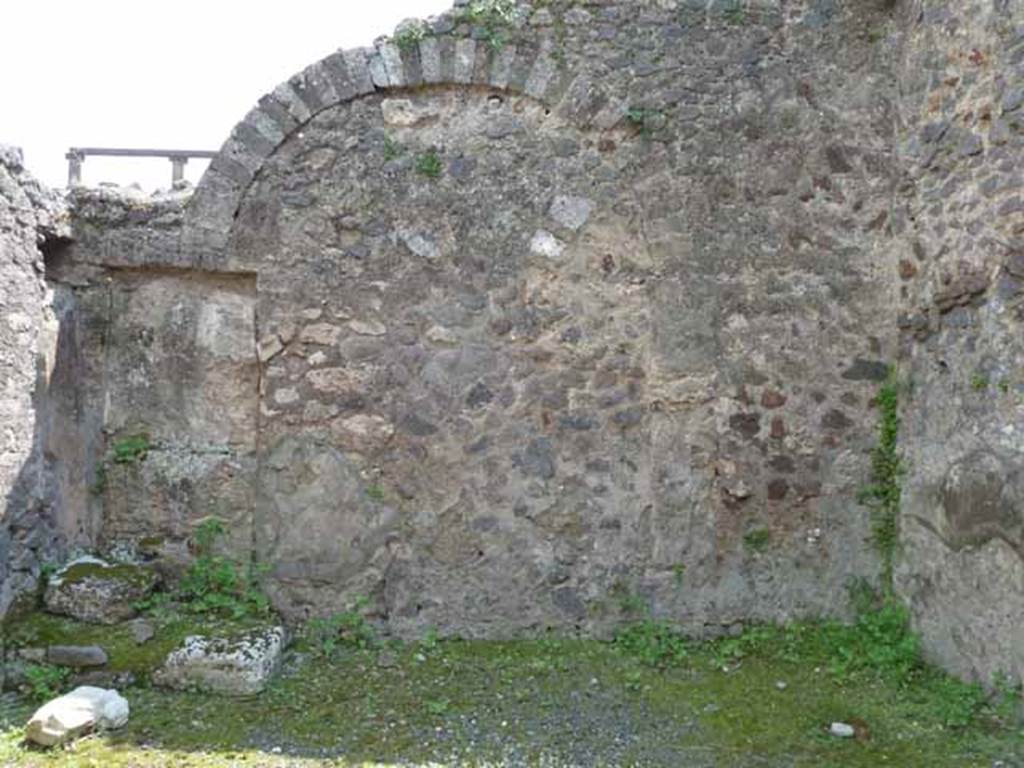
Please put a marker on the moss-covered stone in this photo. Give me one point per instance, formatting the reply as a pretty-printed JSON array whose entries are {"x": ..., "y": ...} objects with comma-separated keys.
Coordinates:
[
  {"x": 136, "y": 575},
  {"x": 92, "y": 590},
  {"x": 150, "y": 546},
  {"x": 40, "y": 629}
]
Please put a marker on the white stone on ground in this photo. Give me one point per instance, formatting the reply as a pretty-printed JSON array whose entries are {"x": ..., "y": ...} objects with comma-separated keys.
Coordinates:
[
  {"x": 842, "y": 730},
  {"x": 83, "y": 710},
  {"x": 239, "y": 666}
]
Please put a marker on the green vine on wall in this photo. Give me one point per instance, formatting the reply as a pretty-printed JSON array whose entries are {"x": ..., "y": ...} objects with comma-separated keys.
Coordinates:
[
  {"x": 493, "y": 17},
  {"x": 883, "y": 494}
]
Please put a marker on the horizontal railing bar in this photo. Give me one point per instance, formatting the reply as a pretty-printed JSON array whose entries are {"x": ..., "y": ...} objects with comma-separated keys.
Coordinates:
[{"x": 104, "y": 152}]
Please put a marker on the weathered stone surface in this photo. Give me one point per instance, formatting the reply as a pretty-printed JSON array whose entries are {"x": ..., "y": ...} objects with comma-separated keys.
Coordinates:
[
  {"x": 525, "y": 348},
  {"x": 90, "y": 589},
  {"x": 237, "y": 666},
  {"x": 76, "y": 655},
  {"x": 961, "y": 561},
  {"x": 30, "y": 532},
  {"x": 142, "y": 631},
  {"x": 550, "y": 356},
  {"x": 74, "y": 714}
]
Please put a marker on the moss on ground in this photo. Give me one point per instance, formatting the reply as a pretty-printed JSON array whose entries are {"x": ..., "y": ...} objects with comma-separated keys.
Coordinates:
[
  {"x": 765, "y": 700},
  {"x": 37, "y": 629}
]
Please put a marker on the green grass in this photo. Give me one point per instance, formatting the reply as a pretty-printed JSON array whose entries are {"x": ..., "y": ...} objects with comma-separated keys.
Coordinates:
[
  {"x": 429, "y": 164},
  {"x": 579, "y": 702}
]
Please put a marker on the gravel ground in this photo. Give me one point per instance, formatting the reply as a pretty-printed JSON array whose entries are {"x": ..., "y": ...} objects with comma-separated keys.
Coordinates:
[{"x": 525, "y": 705}]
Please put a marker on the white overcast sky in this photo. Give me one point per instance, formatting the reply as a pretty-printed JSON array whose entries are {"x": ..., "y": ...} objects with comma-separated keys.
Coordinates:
[{"x": 176, "y": 75}]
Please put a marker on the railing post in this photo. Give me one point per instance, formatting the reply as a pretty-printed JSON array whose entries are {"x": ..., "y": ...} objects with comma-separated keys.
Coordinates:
[
  {"x": 178, "y": 168},
  {"x": 178, "y": 157},
  {"x": 75, "y": 159}
]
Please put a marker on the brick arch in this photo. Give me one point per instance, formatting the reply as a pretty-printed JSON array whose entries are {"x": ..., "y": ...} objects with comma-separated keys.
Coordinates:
[{"x": 527, "y": 66}]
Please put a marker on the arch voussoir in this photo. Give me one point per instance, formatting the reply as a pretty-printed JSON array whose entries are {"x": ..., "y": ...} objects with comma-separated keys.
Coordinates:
[{"x": 442, "y": 57}]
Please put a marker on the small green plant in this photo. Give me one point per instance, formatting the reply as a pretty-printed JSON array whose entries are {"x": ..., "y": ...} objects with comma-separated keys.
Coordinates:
[
  {"x": 408, "y": 37},
  {"x": 979, "y": 382},
  {"x": 653, "y": 643},
  {"x": 99, "y": 483},
  {"x": 789, "y": 118},
  {"x": 392, "y": 149},
  {"x": 430, "y": 641},
  {"x": 45, "y": 681},
  {"x": 46, "y": 571},
  {"x": 494, "y": 17},
  {"x": 757, "y": 540},
  {"x": 678, "y": 573},
  {"x": 864, "y": 597},
  {"x": 348, "y": 629},
  {"x": 737, "y": 14},
  {"x": 375, "y": 493},
  {"x": 633, "y": 680},
  {"x": 1004, "y": 386},
  {"x": 644, "y": 119},
  {"x": 954, "y": 702},
  {"x": 880, "y": 641},
  {"x": 729, "y": 651},
  {"x": 438, "y": 707},
  {"x": 636, "y": 115},
  {"x": 629, "y": 602},
  {"x": 158, "y": 605},
  {"x": 218, "y": 584},
  {"x": 494, "y": 37},
  {"x": 883, "y": 494},
  {"x": 131, "y": 449},
  {"x": 429, "y": 164},
  {"x": 1006, "y": 695}
]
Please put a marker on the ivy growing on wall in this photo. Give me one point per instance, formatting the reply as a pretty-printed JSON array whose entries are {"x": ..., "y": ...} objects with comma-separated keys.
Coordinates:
[{"x": 883, "y": 494}]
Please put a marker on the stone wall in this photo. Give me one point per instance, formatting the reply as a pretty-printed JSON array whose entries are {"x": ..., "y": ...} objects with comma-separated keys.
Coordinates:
[
  {"x": 28, "y": 524},
  {"x": 511, "y": 323},
  {"x": 549, "y": 319},
  {"x": 960, "y": 244},
  {"x": 165, "y": 360}
]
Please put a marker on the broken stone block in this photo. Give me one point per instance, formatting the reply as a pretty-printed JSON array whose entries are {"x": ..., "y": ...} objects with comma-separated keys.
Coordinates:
[
  {"x": 83, "y": 710},
  {"x": 92, "y": 590},
  {"x": 238, "y": 666}
]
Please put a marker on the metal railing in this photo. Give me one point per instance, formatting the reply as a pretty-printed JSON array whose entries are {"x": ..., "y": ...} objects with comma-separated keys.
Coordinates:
[{"x": 178, "y": 157}]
